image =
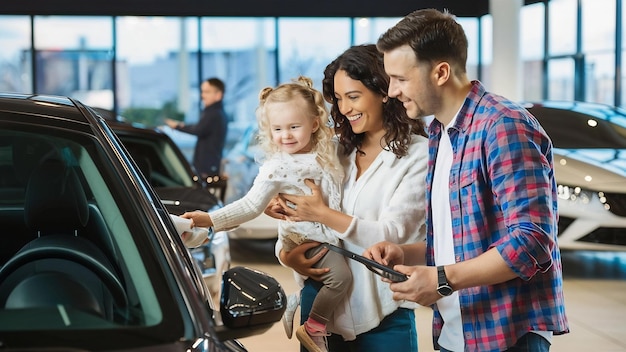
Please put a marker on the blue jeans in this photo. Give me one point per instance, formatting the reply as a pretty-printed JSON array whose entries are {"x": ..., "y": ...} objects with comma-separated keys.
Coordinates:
[
  {"x": 530, "y": 342},
  {"x": 397, "y": 332}
]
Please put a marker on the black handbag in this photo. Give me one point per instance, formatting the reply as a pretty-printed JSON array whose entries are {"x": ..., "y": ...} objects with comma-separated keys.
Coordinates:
[{"x": 250, "y": 297}]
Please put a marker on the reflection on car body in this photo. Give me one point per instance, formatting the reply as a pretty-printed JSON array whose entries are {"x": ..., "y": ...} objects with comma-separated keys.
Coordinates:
[
  {"x": 590, "y": 168},
  {"x": 89, "y": 257}
]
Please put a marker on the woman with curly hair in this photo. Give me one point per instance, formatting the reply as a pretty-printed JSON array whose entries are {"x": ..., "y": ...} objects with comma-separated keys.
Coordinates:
[{"x": 384, "y": 156}]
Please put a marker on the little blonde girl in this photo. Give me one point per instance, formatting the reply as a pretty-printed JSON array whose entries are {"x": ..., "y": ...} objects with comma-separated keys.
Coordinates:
[{"x": 295, "y": 134}]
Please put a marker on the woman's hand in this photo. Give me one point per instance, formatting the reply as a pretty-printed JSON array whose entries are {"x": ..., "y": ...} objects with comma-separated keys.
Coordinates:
[
  {"x": 304, "y": 208},
  {"x": 313, "y": 208},
  {"x": 274, "y": 209},
  {"x": 297, "y": 260}
]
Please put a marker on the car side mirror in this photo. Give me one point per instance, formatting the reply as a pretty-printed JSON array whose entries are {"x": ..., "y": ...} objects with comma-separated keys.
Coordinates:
[{"x": 251, "y": 302}]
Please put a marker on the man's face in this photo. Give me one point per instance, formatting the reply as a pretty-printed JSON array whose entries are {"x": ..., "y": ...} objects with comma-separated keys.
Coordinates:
[
  {"x": 209, "y": 94},
  {"x": 410, "y": 82}
]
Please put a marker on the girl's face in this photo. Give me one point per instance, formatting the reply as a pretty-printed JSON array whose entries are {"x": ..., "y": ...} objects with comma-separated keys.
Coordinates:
[
  {"x": 362, "y": 107},
  {"x": 291, "y": 128}
]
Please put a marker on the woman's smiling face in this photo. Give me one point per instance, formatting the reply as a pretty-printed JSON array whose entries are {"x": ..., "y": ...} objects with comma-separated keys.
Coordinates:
[{"x": 362, "y": 107}]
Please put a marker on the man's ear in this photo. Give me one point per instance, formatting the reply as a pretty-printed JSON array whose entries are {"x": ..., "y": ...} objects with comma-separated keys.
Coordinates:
[{"x": 442, "y": 72}]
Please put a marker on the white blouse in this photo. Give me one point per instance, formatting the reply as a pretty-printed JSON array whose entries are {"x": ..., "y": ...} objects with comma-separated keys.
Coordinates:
[{"x": 387, "y": 203}]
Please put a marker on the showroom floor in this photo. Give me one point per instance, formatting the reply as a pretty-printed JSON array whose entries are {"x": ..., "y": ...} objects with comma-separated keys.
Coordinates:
[{"x": 595, "y": 296}]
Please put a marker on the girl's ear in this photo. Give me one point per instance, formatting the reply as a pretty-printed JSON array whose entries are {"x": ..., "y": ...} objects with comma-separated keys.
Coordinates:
[
  {"x": 385, "y": 99},
  {"x": 316, "y": 126}
]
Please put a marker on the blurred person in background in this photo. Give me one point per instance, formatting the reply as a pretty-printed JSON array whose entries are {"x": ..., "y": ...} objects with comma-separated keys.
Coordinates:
[{"x": 210, "y": 130}]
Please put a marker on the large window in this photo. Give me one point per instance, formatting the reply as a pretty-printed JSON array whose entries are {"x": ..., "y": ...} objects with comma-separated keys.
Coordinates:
[
  {"x": 15, "y": 57},
  {"x": 307, "y": 45},
  {"x": 561, "y": 72},
  {"x": 486, "y": 50},
  {"x": 367, "y": 30},
  {"x": 562, "y": 19},
  {"x": 76, "y": 60},
  {"x": 581, "y": 52},
  {"x": 622, "y": 101},
  {"x": 598, "y": 47},
  {"x": 562, "y": 49},
  {"x": 155, "y": 70},
  {"x": 241, "y": 52},
  {"x": 149, "y": 68},
  {"x": 532, "y": 50},
  {"x": 471, "y": 27}
]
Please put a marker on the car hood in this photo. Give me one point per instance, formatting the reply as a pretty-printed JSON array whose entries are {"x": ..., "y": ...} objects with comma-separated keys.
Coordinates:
[
  {"x": 591, "y": 170},
  {"x": 178, "y": 200}
]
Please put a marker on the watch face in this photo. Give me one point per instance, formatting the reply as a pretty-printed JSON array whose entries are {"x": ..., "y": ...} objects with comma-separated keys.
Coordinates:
[{"x": 444, "y": 290}]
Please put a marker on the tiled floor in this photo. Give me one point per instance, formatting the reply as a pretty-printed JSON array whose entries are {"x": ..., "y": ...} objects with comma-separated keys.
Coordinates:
[{"x": 595, "y": 294}]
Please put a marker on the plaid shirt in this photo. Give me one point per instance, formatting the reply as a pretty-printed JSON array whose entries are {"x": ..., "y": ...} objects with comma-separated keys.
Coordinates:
[{"x": 503, "y": 195}]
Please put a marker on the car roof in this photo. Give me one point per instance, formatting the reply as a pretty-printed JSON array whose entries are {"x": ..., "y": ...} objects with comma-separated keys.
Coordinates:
[
  {"x": 135, "y": 129},
  {"x": 568, "y": 124},
  {"x": 38, "y": 106},
  {"x": 121, "y": 126}
]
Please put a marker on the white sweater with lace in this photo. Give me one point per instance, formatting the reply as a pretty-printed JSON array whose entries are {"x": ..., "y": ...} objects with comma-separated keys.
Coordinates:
[{"x": 284, "y": 173}]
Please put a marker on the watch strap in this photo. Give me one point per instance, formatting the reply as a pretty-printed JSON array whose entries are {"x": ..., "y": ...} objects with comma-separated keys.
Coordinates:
[
  {"x": 443, "y": 287},
  {"x": 441, "y": 276}
]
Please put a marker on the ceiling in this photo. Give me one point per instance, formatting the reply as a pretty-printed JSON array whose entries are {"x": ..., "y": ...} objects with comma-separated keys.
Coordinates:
[{"x": 247, "y": 8}]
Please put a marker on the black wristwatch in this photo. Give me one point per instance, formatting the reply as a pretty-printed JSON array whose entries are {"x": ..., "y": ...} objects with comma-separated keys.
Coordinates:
[{"x": 443, "y": 287}]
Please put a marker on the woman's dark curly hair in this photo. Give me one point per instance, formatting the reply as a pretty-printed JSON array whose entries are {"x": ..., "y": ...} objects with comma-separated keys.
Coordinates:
[{"x": 364, "y": 63}]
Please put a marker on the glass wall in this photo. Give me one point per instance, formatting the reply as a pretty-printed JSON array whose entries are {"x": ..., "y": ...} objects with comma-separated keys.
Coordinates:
[
  {"x": 148, "y": 68},
  {"x": 368, "y": 29},
  {"x": 15, "y": 56},
  {"x": 77, "y": 60},
  {"x": 622, "y": 63},
  {"x": 307, "y": 45},
  {"x": 598, "y": 50},
  {"x": 154, "y": 69},
  {"x": 241, "y": 52},
  {"x": 471, "y": 27},
  {"x": 532, "y": 50},
  {"x": 562, "y": 49}
]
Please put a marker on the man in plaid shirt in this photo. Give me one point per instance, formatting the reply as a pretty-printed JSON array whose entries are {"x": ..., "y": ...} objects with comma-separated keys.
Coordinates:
[{"x": 493, "y": 266}]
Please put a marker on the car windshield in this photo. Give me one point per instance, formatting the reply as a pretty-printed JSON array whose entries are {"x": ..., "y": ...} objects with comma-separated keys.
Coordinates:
[
  {"x": 158, "y": 161},
  {"x": 74, "y": 254}
]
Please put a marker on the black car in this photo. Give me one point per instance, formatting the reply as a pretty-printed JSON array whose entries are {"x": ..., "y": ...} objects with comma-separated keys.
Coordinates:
[
  {"x": 590, "y": 168},
  {"x": 179, "y": 188},
  {"x": 89, "y": 257}
]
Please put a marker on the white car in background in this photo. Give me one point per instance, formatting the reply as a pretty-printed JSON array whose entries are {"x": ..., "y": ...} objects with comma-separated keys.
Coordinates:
[{"x": 590, "y": 169}]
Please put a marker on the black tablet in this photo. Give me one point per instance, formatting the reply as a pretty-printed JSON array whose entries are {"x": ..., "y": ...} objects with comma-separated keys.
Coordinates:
[{"x": 375, "y": 267}]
